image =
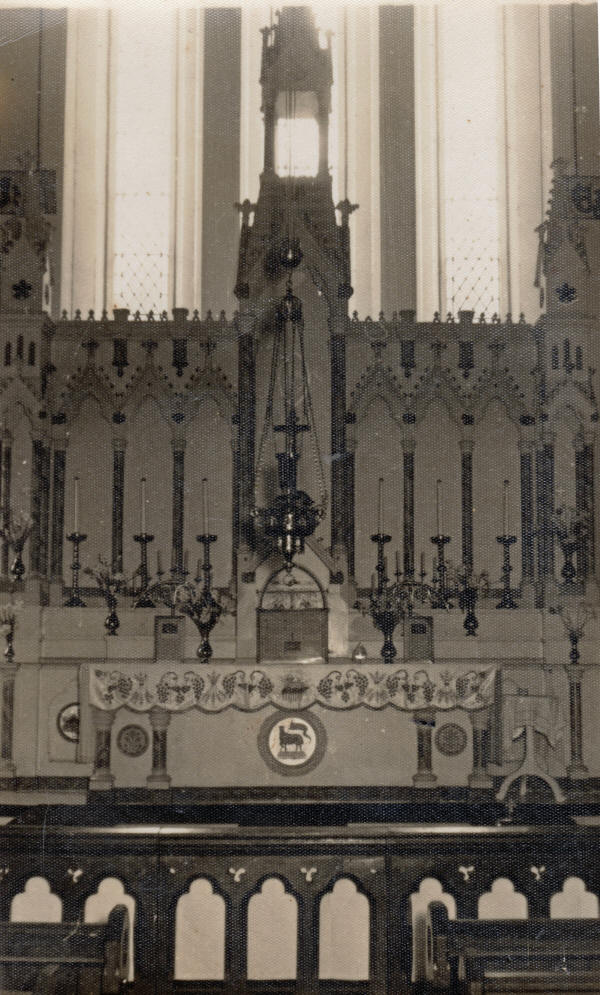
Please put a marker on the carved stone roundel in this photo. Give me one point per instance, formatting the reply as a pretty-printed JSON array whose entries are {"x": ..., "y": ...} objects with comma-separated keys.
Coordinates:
[
  {"x": 450, "y": 739},
  {"x": 132, "y": 740},
  {"x": 292, "y": 742}
]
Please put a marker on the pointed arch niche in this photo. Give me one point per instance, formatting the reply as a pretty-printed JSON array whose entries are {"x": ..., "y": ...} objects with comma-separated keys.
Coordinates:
[
  {"x": 147, "y": 454},
  {"x": 437, "y": 457},
  {"x": 208, "y": 453},
  {"x": 89, "y": 456},
  {"x": 378, "y": 454},
  {"x": 21, "y": 461},
  {"x": 496, "y": 459}
]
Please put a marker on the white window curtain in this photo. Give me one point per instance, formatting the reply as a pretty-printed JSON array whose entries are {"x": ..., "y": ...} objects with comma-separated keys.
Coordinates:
[
  {"x": 133, "y": 159},
  {"x": 483, "y": 150}
]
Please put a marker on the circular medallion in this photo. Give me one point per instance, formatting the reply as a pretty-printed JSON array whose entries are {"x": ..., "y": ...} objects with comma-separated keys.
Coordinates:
[
  {"x": 67, "y": 721},
  {"x": 132, "y": 740},
  {"x": 450, "y": 739},
  {"x": 292, "y": 743}
]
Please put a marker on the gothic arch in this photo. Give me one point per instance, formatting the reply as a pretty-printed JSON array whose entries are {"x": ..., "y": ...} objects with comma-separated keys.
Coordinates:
[
  {"x": 148, "y": 383},
  {"x": 210, "y": 383},
  {"x": 437, "y": 386},
  {"x": 16, "y": 399},
  {"x": 498, "y": 386},
  {"x": 572, "y": 399},
  {"x": 377, "y": 383},
  {"x": 90, "y": 382}
]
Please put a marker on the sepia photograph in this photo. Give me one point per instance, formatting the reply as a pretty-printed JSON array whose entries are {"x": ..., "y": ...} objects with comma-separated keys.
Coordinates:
[{"x": 299, "y": 498}]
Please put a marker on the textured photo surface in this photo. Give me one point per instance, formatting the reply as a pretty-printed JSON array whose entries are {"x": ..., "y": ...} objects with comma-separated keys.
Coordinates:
[{"x": 299, "y": 498}]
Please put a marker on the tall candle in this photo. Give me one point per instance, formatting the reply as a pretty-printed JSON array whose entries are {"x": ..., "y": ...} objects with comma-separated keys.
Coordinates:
[
  {"x": 159, "y": 568},
  {"x": 76, "y": 503},
  {"x": 422, "y": 565},
  {"x": 505, "y": 521},
  {"x": 397, "y": 562},
  {"x": 143, "y": 505},
  {"x": 438, "y": 506},
  {"x": 204, "y": 506},
  {"x": 380, "y": 508}
]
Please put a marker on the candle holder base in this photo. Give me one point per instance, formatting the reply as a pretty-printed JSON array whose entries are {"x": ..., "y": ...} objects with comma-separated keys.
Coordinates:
[
  {"x": 144, "y": 600},
  {"x": 75, "y": 601},
  {"x": 507, "y": 600}
]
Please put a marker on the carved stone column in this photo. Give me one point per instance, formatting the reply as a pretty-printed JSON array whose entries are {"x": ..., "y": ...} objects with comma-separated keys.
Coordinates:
[
  {"x": 584, "y": 501},
  {"x": 59, "y": 463},
  {"x": 424, "y": 720},
  {"x": 544, "y": 472},
  {"x": 576, "y": 768},
  {"x": 479, "y": 777},
  {"x": 118, "y": 497},
  {"x": 466, "y": 451},
  {"x": 102, "y": 779},
  {"x": 339, "y": 476},
  {"x": 40, "y": 489},
  {"x": 8, "y": 672},
  {"x": 246, "y": 427},
  {"x": 178, "y": 498},
  {"x": 5, "y": 475},
  {"x": 408, "y": 553},
  {"x": 159, "y": 723},
  {"x": 526, "y": 449}
]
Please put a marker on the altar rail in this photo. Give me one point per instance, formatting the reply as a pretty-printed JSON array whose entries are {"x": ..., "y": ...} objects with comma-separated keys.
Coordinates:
[{"x": 346, "y": 896}]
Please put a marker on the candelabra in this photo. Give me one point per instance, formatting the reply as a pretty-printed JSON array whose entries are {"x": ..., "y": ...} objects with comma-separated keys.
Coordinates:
[
  {"x": 574, "y": 622},
  {"x": 110, "y": 582},
  {"x": 391, "y": 602},
  {"x": 507, "y": 600},
  {"x": 15, "y": 534},
  {"x": 75, "y": 601},
  {"x": 144, "y": 600},
  {"x": 164, "y": 587},
  {"x": 571, "y": 527}
]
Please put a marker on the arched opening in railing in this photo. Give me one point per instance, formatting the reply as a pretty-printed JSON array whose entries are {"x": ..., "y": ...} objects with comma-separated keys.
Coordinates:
[
  {"x": 200, "y": 934},
  {"x": 344, "y": 933},
  {"x": 272, "y": 933}
]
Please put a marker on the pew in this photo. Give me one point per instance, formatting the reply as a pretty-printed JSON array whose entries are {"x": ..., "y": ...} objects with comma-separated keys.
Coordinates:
[
  {"x": 476, "y": 956},
  {"x": 65, "y": 958}
]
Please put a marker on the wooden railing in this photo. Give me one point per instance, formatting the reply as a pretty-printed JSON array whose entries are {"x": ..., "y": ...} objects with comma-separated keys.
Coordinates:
[{"x": 361, "y": 888}]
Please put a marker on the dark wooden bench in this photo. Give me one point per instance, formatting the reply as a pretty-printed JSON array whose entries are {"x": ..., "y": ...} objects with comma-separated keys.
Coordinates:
[
  {"x": 511, "y": 955},
  {"x": 65, "y": 958}
]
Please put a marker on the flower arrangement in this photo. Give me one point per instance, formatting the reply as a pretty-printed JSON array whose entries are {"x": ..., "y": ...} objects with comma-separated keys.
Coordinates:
[
  {"x": 204, "y": 606},
  {"x": 110, "y": 582},
  {"x": 15, "y": 533},
  {"x": 570, "y": 524}
]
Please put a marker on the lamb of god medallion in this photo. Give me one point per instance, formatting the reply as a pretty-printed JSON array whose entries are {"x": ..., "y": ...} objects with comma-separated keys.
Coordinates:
[{"x": 292, "y": 742}]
